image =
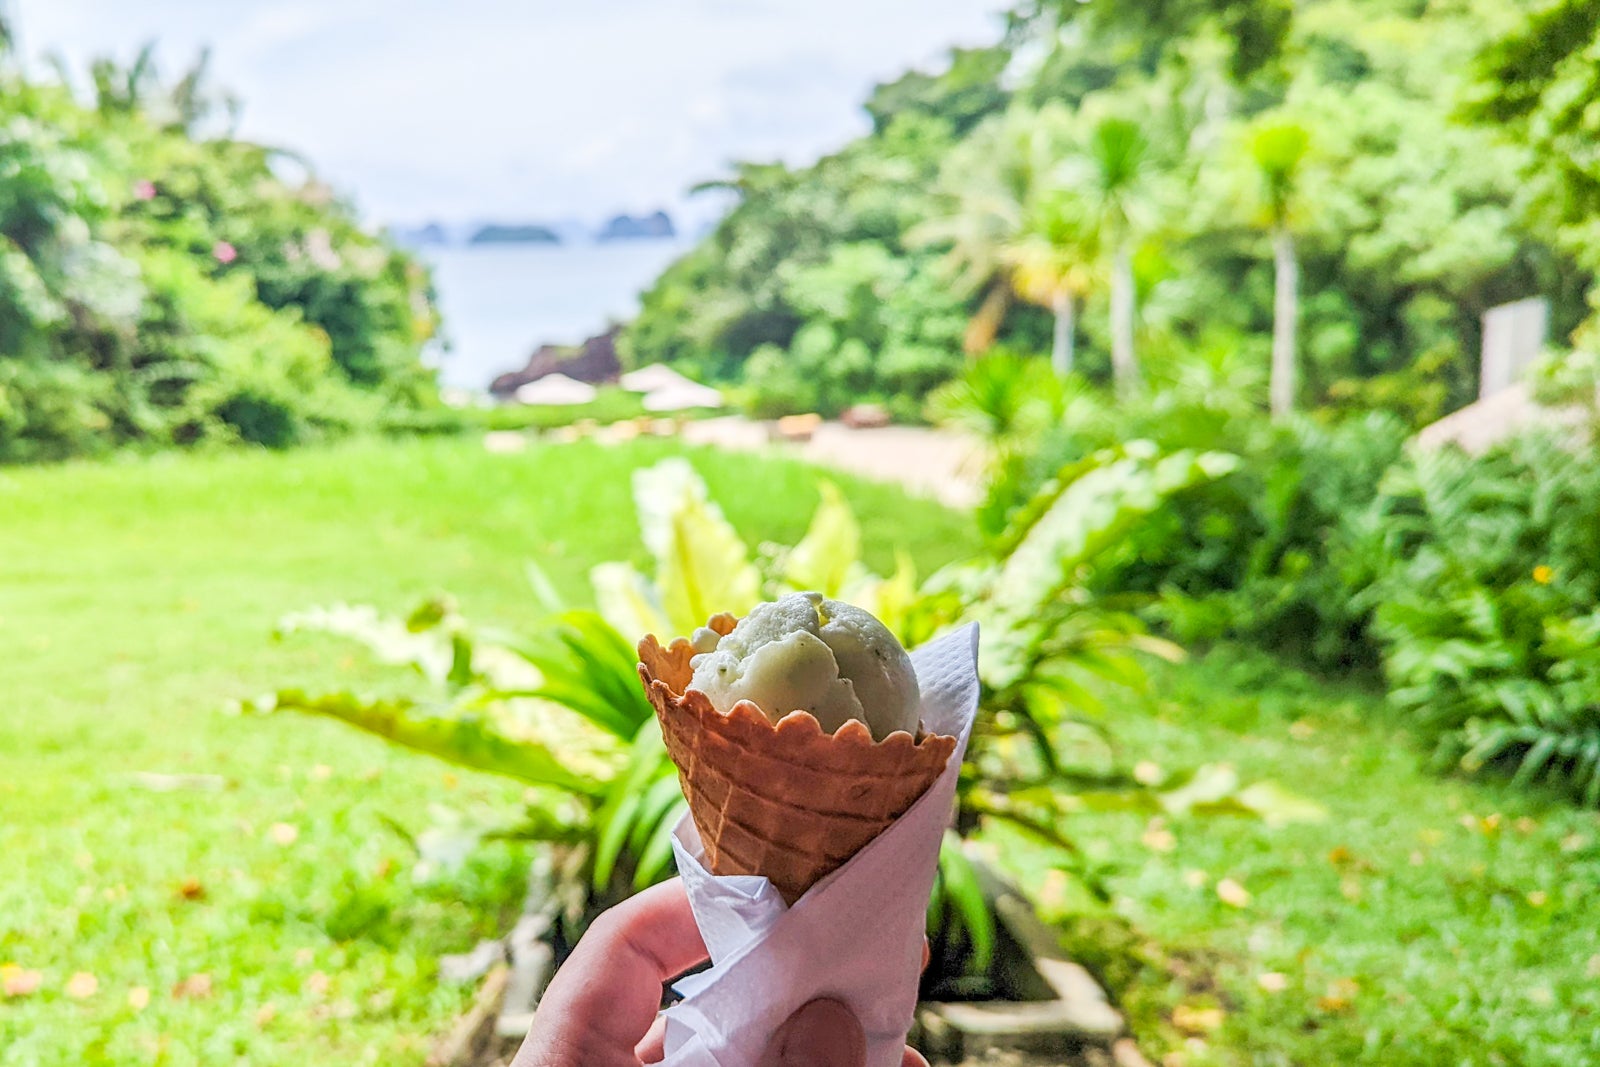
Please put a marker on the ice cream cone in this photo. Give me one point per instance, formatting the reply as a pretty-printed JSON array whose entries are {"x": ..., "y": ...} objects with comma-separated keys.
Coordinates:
[{"x": 783, "y": 800}]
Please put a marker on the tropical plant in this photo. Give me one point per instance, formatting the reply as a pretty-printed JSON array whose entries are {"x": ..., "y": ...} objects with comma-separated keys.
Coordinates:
[
  {"x": 1278, "y": 149},
  {"x": 1007, "y": 399},
  {"x": 1054, "y": 263},
  {"x": 1052, "y": 647},
  {"x": 1423, "y": 220},
  {"x": 1276, "y": 551},
  {"x": 1486, "y": 608},
  {"x": 1118, "y": 167},
  {"x": 996, "y": 188},
  {"x": 560, "y": 707}
]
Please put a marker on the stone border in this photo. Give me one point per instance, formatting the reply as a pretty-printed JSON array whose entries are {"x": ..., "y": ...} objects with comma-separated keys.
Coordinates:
[{"x": 1079, "y": 1025}]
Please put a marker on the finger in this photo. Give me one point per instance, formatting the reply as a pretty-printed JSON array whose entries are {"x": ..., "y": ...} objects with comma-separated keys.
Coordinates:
[
  {"x": 652, "y": 1048},
  {"x": 823, "y": 1033},
  {"x": 606, "y": 996},
  {"x": 912, "y": 1058}
]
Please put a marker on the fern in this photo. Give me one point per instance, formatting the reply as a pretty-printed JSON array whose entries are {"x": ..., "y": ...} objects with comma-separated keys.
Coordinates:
[{"x": 1487, "y": 609}]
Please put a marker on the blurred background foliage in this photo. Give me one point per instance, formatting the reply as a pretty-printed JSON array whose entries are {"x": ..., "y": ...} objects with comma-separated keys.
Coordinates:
[
  {"x": 1116, "y": 187},
  {"x": 162, "y": 283},
  {"x": 1427, "y": 184}
]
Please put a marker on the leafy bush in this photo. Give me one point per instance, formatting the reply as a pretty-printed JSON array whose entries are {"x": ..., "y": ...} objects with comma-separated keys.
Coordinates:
[
  {"x": 878, "y": 328},
  {"x": 50, "y": 411},
  {"x": 1278, "y": 553},
  {"x": 162, "y": 286},
  {"x": 1472, "y": 582},
  {"x": 1487, "y": 607},
  {"x": 1274, "y": 551}
]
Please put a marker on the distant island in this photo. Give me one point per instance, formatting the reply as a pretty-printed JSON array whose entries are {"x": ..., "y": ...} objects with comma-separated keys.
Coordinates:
[
  {"x": 432, "y": 235},
  {"x": 629, "y": 227},
  {"x": 657, "y": 225},
  {"x": 525, "y": 234}
]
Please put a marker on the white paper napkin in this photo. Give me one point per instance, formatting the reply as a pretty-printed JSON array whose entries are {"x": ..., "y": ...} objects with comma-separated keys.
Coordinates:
[{"x": 856, "y": 936}]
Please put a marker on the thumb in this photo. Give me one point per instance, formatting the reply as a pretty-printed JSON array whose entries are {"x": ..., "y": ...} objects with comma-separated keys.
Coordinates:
[{"x": 823, "y": 1033}]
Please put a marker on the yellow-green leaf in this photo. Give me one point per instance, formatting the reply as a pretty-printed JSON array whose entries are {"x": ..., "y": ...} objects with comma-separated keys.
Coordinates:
[
  {"x": 702, "y": 566},
  {"x": 825, "y": 557}
]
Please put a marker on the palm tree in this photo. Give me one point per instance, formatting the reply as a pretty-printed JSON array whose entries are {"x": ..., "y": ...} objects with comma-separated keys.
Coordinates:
[
  {"x": 1278, "y": 149},
  {"x": 1053, "y": 264},
  {"x": 185, "y": 105},
  {"x": 1118, "y": 165},
  {"x": 992, "y": 181}
]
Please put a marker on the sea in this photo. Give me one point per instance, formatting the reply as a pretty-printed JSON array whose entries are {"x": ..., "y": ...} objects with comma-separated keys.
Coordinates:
[{"x": 500, "y": 302}]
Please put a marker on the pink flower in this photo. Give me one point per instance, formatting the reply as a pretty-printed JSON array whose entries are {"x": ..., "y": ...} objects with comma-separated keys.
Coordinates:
[
  {"x": 224, "y": 252},
  {"x": 144, "y": 190}
]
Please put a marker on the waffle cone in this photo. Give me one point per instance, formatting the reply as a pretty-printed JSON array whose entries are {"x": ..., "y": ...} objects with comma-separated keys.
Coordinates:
[{"x": 783, "y": 800}]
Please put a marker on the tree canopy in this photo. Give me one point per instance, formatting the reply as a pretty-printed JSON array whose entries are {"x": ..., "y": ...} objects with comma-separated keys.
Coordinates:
[{"x": 1430, "y": 159}]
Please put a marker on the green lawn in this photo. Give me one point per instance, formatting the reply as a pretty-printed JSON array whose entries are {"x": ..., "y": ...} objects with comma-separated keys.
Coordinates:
[
  {"x": 275, "y": 920},
  {"x": 1426, "y": 921}
]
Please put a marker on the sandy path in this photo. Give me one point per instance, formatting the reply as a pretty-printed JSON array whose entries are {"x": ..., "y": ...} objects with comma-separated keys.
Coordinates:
[{"x": 935, "y": 463}]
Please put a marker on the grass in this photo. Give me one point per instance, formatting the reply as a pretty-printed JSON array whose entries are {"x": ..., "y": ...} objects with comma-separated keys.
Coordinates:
[
  {"x": 1427, "y": 920},
  {"x": 276, "y": 919}
]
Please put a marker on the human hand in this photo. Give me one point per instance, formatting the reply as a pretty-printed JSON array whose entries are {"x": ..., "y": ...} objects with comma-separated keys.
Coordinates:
[{"x": 601, "y": 1007}]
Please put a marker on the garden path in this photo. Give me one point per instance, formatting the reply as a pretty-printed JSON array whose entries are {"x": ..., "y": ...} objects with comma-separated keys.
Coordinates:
[{"x": 942, "y": 464}]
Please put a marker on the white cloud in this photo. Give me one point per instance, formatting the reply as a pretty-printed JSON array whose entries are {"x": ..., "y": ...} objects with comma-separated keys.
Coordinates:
[{"x": 536, "y": 108}]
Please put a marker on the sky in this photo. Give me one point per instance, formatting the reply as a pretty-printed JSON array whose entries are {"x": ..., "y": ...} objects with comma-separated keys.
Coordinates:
[{"x": 529, "y": 109}]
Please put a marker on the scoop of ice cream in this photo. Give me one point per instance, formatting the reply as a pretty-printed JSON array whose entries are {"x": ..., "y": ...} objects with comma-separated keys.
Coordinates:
[{"x": 807, "y": 653}]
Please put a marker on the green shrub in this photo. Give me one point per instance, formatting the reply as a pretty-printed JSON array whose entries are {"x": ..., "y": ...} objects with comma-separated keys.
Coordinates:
[
  {"x": 1274, "y": 552},
  {"x": 776, "y": 385},
  {"x": 50, "y": 410},
  {"x": 159, "y": 287},
  {"x": 1487, "y": 607},
  {"x": 1279, "y": 552}
]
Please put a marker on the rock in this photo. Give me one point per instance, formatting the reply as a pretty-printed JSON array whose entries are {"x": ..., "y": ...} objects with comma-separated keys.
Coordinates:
[
  {"x": 472, "y": 1036},
  {"x": 866, "y": 417},
  {"x": 532, "y": 964},
  {"x": 594, "y": 361},
  {"x": 1484, "y": 424},
  {"x": 618, "y": 433},
  {"x": 565, "y": 435},
  {"x": 431, "y": 235},
  {"x": 1124, "y": 1053}
]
